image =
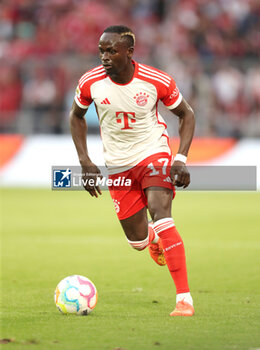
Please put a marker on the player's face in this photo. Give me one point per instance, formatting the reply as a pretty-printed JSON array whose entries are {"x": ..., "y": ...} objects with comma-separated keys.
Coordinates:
[{"x": 114, "y": 53}]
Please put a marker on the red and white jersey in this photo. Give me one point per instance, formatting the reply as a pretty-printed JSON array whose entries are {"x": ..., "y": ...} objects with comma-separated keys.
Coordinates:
[{"x": 131, "y": 127}]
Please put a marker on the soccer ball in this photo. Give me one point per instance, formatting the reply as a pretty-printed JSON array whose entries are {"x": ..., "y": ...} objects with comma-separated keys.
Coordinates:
[{"x": 75, "y": 295}]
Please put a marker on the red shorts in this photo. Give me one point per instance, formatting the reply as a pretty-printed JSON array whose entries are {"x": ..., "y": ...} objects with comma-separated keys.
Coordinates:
[{"x": 152, "y": 171}]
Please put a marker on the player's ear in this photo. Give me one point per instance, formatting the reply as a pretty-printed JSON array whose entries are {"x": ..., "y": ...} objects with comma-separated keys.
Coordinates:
[{"x": 130, "y": 52}]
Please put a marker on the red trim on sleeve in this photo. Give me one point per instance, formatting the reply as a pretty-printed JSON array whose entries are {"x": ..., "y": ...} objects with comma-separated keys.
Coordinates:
[
  {"x": 83, "y": 91},
  {"x": 167, "y": 91}
]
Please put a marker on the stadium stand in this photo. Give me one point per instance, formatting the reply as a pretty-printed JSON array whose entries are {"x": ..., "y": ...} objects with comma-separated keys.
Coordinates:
[{"x": 211, "y": 48}]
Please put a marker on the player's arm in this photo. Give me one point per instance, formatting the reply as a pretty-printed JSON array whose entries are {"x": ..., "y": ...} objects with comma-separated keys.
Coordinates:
[
  {"x": 78, "y": 127},
  {"x": 179, "y": 172}
]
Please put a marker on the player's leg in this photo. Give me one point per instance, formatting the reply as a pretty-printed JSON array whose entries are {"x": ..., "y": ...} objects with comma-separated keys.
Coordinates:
[
  {"x": 131, "y": 207},
  {"x": 140, "y": 234},
  {"x": 136, "y": 229},
  {"x": 131, "y": 210},
  {"x": 159, "y": 201}
]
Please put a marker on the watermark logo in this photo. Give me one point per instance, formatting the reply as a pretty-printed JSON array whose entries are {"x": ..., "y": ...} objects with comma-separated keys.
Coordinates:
[
  {"x": 203, "y": 178},
  {"x": 62, "y": 178}
]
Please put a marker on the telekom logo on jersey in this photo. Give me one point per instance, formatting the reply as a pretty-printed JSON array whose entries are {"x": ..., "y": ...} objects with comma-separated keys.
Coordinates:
[{"x": 125, "y": 118}]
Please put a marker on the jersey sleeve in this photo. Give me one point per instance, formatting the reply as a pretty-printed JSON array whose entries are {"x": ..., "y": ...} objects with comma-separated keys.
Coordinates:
[
  {"x": 171, "y": 96},
  {"x": 83, "y": 96}
]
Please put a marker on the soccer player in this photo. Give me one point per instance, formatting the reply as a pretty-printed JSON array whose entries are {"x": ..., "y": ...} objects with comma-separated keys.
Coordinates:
[{"x": 135, "y": 143}]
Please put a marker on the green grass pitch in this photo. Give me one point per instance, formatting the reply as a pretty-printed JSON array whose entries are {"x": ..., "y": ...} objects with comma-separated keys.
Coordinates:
[{"x": 48, "y": 235}]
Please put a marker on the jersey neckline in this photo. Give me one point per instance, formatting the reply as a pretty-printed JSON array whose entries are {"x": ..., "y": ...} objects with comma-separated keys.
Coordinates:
[{"x": 134, "y": 75}]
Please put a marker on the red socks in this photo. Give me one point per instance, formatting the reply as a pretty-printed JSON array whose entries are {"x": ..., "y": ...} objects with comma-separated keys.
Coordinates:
[{"x": 174, "y": 252}]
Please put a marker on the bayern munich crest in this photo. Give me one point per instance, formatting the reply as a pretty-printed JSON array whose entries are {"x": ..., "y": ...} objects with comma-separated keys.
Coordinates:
[
  {"x": 117, "y": 205},
  {"x": 141, "y": 99}
]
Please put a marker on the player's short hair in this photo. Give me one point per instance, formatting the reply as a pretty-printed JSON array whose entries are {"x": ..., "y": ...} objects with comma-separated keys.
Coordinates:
[{"x": 123, "y": 31}]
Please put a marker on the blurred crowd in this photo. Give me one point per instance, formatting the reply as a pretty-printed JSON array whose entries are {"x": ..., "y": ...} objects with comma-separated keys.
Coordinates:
[{"x": 211, "y": 48}]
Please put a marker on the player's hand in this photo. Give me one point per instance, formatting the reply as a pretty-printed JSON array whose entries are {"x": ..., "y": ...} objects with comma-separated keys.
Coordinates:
[
  {"x": 180, "y": 175},
  {"x": 90, "y": 173}
]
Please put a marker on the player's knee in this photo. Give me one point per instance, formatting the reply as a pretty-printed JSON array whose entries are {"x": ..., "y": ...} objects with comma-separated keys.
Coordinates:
[
  {"x": 159, "y": 212},
  {"x": 139, "y": 245},
  {"x": 159, "y": 203}
]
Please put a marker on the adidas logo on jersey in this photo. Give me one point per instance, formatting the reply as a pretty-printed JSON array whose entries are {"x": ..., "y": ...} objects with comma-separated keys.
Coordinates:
[
  {"x": 106, "y": 102},
  {"x": 168, "y": 179}
]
